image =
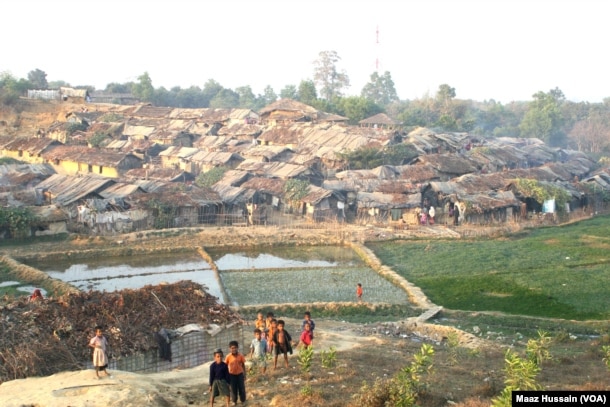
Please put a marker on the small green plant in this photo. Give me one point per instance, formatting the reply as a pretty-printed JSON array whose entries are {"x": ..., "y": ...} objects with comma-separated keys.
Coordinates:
[
  {"x": 407, "y": 384},
  {"x": 329, "y": 357},
  {"x": 306, "y": 390},
  {"x": 305, "y": 358},
  {"x": 453, "y": 347},
  {"x": 606, "y": 353},
  {"x": 537, "y": 350},
  {"x": 521, "y": 373}
]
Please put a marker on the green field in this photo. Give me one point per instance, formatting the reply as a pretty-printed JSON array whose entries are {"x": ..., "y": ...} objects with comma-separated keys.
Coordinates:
[{"x": 555, "y": 272}]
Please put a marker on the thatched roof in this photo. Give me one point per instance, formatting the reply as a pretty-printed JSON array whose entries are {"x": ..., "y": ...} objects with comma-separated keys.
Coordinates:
[
  {"x": 388, "y": 201},
  {"x": 449, "y": 164},
  {"x": 159, "y": 174},
  {"x": 288, "y": 105},
  {"x": 379, "y": 119},
  {"x": 272, "y": 186},
  {"x": 87, "y": 155}
]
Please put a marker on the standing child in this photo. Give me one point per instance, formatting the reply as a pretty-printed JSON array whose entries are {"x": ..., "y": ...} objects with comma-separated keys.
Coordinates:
[
  {"x": 258, "y": 350},
  {"x": 282, "y": 343},
  {"x": 259, "y": 323},
  {"x": 270, "y": 332},
  {"x": 99, "y": 343},
  {"x": 306, "y": 337},
  {"x": 237, "y": 372},
  {"x": 307, "y": 320},
  {"x": 359, "y": 292},
  {"x": 219, "y": 378}
]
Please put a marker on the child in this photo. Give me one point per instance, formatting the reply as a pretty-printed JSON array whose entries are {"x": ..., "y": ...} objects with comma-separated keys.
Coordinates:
[
  {"x": 282, "y": 343},
  {"x": 307, "y": 320},
  {"x": 237, "y": 372},
  {"x": 99, "y": 344},
  {"x": 359, "y": 292},
  {"x": 306, "y": 336},
  {"x": 260, "y": 322},
  {"x": 258, "y": 350},
  {"x": 272, "y": 329},
  {"x": 219, "y": 378}
]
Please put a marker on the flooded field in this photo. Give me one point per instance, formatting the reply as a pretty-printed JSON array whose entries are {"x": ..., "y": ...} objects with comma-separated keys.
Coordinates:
[
  {"x": 303, "y": 275},
  {"x": 112, "y": 274}
]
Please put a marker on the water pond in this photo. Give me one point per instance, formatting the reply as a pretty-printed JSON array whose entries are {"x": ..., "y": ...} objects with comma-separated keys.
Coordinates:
[{"x": 303, "y": 275}]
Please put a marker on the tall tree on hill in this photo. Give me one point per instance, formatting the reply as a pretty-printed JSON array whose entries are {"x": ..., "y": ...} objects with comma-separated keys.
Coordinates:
[
  {"x": 269, "y": 95},
  {"x": 38, "y": 79},
  {"x": 143, "y": 89},
  {"x": 380, "y": 89},
  {"x": 289, "y": 92},
  {"x": 544, "y": 120},
  {"x": 331, "y": 81},
  {"x": 307, "y": 92},
  {"x": 210, "y": 89}
]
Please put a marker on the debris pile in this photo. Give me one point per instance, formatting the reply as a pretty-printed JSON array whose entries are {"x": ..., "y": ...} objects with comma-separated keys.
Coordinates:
[{"x": 47, "y": 336}]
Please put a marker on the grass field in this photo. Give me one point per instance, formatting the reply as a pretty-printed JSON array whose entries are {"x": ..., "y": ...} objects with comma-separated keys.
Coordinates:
[{"x": 556, "y": 272}]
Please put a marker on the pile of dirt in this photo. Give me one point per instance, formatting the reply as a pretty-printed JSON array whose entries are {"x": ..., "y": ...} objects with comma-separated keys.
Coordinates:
[{"x": 47, "y": 336}]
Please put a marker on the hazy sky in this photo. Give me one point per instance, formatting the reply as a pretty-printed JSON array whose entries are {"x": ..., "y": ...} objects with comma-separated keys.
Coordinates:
[{"x": 486, "y": 49}]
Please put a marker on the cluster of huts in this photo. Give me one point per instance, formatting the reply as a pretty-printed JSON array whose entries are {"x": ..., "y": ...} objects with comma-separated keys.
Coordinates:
[{"x": 141, "y": 173}]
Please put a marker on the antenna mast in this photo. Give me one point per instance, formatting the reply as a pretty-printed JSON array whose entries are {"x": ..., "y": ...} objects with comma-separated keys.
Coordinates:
[{"x": 377, "y": 48}]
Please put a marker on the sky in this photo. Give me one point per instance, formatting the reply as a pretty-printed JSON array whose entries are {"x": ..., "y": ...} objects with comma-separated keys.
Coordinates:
[{"x": 485, "y": 49}]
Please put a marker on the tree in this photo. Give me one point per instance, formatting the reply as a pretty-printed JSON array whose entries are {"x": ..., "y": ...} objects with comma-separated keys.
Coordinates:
[
  {"x": 357, "y": 108},
  {"x": 38, "y": 79},
  {"x": 143, "y": 89},
  {"x": 326, "y": 75},
  {"x": 114, "y": 87},
  {"x": 445, "y": 95},
  {"x": 225, "y": 99},
  {"x": 269, "y": 95},
  {"x": 307, "y": 92},
  {"x": 543, "y": 119},
  {"x": 189, "y": 98},
  {"x": 289, "y": 92},
  {"x": 210, "y": 89},
  {"x": 380, "y": 89},
  {"x": 247, "y": 98},
  {"x": 592, "y": 135}
]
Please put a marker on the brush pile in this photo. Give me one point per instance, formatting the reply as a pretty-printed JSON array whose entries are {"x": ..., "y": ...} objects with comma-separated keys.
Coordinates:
[{"x": 47, "y": 336}]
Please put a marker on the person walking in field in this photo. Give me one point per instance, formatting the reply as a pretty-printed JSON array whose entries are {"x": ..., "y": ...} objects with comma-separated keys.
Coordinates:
[
  {"x": 99, "y": 343},
  {"x": 219, "y": 378},
  {"x": 359, "y": 292}
]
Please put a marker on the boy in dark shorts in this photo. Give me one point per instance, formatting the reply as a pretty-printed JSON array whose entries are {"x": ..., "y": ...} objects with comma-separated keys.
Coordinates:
[{"x": 219, "y": 378}]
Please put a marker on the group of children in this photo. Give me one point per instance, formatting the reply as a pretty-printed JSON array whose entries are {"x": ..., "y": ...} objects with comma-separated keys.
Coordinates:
[{"x": 227, "y": 378}]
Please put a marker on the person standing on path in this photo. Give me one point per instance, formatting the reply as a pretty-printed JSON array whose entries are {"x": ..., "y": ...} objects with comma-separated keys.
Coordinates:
[
  {"x": 219, "y": 378},
  {"x": 237, "y": 372},
  {"x": 99, "y": 343}
]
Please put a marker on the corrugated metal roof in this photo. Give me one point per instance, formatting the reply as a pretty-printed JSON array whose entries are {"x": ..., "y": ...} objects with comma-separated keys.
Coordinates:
[
  {"x": 66, "y": 189},
  {"x": 388, "y": 201}
]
